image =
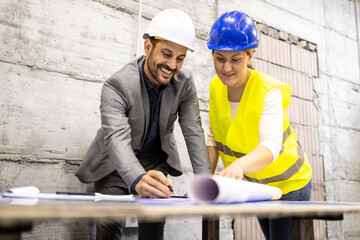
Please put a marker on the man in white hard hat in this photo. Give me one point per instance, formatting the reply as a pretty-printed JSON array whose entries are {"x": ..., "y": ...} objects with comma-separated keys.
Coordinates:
[{"x": 135, "y": 149}]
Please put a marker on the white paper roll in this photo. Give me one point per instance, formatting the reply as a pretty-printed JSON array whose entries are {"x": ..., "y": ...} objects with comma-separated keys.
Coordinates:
[{"x": 217, "y": 189}]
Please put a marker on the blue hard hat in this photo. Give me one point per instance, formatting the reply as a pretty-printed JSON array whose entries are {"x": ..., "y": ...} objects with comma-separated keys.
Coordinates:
[{"x": 233, "y": 31}]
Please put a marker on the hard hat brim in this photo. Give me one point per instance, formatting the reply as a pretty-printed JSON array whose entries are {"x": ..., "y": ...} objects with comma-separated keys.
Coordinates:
[
  {"x": 190, "y": 48},
  {"x": 231, "y": 48}
]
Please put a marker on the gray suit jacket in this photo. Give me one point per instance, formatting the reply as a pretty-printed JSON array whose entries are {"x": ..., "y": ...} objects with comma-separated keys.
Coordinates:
[{"x": 125, "y": 114}]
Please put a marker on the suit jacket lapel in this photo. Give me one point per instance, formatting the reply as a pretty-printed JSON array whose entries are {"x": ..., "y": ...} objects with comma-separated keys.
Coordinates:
[
  {"x": 145, "y": 101},
  {"x": 165, "y": 108}
]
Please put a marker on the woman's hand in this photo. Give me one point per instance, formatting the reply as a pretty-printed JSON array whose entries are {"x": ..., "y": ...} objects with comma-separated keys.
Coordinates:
[
  {"x": 252, "y": 162},
  {"x": 234, "y": 170}
]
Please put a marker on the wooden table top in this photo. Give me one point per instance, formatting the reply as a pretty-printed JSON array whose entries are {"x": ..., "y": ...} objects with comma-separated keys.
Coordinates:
[{"x": 65, "y": 209}]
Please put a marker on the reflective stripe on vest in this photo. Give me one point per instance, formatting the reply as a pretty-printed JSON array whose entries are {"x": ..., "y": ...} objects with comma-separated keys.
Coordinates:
[
  {"x": 226, "y": 150},
  {"x": 288, "y": 173},
  {"x": 281, "y": 177}
]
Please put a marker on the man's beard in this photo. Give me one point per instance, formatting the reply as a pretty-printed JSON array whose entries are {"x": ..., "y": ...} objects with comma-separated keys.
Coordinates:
[{"x": 153, "y": 70}]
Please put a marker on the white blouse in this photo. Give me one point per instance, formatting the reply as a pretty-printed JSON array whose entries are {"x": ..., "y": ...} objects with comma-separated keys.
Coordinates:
[{"x": 271, "y": 123}]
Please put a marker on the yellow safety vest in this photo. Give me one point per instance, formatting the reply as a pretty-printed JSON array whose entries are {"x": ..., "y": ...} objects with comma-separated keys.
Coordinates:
[{"x": 235, "y": 138}]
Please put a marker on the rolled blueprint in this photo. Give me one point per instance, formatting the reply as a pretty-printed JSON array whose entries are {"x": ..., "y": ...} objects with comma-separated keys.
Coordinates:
[{"x": 217, "y": 189}]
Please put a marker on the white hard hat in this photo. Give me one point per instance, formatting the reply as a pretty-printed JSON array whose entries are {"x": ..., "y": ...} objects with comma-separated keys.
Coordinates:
[{"x": 173, "y": 25}]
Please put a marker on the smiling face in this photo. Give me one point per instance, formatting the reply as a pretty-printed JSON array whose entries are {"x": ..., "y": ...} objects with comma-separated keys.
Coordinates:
[
  {"x": 231, "y": 67},
  {"x": 163, "y": 61}
]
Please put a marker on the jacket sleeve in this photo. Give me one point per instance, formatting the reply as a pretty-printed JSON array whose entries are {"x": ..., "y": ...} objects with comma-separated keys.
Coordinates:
[
  {"x": 117, "y": 131},
  {"x": 190, "y": 123}
]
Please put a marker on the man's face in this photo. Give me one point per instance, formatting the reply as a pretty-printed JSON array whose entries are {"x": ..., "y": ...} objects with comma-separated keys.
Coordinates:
[{"x": 163, "y": 61}]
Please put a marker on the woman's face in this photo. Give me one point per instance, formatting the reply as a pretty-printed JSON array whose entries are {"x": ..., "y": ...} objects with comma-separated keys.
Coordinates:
[{"x": 231, "y": 67}]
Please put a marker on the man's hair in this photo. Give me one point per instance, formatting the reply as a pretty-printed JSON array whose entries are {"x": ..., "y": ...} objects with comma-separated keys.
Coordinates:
[{"x": 154, "y": 41}]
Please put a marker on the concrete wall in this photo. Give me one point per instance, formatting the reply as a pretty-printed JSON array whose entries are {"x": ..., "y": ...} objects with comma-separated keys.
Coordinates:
[{"x": 54, "y": 56}]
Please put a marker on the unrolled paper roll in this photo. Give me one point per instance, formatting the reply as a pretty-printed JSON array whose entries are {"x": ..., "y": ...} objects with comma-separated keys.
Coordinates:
[{"x": 217, "y": 189}]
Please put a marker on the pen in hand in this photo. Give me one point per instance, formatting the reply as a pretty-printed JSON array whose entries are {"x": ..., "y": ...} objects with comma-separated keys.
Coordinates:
[
  {"x": 174, "y": 195},
  {"x": 172, "y": 190}
]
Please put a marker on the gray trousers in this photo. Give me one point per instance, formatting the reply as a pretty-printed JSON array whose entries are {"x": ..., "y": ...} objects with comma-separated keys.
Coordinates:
[{"x": 114, "y": 184}]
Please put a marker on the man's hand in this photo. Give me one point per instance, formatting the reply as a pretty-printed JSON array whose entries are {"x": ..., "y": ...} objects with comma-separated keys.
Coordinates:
[{"x": 154, "y": 185}]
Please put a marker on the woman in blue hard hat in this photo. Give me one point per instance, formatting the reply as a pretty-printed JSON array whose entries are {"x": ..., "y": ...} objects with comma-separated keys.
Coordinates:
[{"x": 249, "y": 126}]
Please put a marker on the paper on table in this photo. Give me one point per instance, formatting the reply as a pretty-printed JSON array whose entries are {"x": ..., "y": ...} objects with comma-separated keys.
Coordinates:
[
  {"x": 217, "y": 189},
  {"x": 165, "y": 201},
  {"x": 23, "y": 191},
  {"x": 33, "y": 192}
]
